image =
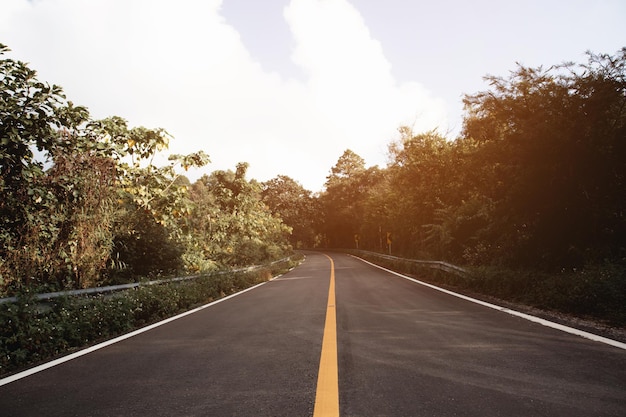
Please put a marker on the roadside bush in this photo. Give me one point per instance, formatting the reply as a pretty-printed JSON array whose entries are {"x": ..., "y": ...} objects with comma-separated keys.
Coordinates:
[
  {"x": 597, "y": 292},
  {"x": 32, "y": 331}
]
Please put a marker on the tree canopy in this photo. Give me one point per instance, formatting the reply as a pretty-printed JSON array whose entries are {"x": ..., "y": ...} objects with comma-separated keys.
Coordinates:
[
  {"x": 536, "y": 178},
  {"x": 82, "y": 204}
]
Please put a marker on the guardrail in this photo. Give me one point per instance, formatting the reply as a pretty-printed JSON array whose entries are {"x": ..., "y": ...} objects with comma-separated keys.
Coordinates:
[
  {"x": 121, "y": 287},
  {"x": 439, "y": 265}
]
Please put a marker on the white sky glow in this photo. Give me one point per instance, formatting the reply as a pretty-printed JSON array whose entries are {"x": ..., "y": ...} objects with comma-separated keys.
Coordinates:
[{"x": 289, "y": 85}]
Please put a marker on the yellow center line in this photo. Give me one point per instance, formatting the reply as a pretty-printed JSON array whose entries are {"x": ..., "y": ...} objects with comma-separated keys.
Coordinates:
[{"x": 327, "y": 395}]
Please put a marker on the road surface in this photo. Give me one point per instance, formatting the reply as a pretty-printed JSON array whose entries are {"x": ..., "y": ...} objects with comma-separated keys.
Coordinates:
[{"x": 398, "y": 349}]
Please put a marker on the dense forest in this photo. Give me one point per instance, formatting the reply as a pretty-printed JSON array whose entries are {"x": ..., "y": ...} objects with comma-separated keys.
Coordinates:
[
  {"x": 82, "y": 205},
  {"x": 535, "y": 181}
]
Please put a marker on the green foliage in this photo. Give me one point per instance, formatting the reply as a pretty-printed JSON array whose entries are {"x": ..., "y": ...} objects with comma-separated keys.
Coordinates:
[
  {"x": 551, "y": 151},
  {"x": 598, "y": 292},
  {"x": 232, "y": 224},
  {"x": 146, "y": 248},
  {"x": 535, "y": 181},
  {"x": 295, "y": 205},
  {"x": 423, "y": 172},
  {"x": 47, "y": 232},
  {"x": 79, "y": 196},
  {"x": 343, "y": 202},
  {"x": 532, "y": 191}
]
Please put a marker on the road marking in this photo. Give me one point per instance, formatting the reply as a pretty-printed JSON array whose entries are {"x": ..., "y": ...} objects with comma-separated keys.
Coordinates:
[
  {"x": 543, "y": 322},
  {"x": 327, "y": 395},
  {"x": 291, "y": 278}
]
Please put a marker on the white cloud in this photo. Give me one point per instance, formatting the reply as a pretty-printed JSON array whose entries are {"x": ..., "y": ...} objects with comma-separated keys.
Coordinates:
[
  {"x": 350, "y": 79},
  {"x": 181, "y": 66}
]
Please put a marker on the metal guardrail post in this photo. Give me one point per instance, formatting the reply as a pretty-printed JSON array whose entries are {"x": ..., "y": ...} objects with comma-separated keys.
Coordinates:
[{"x": 440, "y": 265}]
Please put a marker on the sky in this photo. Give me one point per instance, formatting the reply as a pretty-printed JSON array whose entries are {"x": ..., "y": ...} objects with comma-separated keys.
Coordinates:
[{"x": 289, "y": 85}]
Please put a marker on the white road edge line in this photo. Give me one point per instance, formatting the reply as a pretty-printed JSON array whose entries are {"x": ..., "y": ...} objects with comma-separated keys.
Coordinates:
[
  {"x": 290, "y": 279},
  {"x": 528, "y": 317},
  {"x": 93, "y": 348}
]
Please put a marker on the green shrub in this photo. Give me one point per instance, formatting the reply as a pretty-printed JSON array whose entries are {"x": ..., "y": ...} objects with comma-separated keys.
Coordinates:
[
  {"x": 597, "y": 292},
  {"x": 32, "y": 331}
]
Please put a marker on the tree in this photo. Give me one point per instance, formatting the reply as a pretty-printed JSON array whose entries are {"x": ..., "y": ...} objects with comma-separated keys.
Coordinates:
[
  {"x": 343, "y": 201},
  {"x": 31, "y": 114},
  {"x": 233, "y": 223},
  {"x": 552, "y": 150},
  {"x": 422, "y": 184},
  {"x": 348, "y": 165},
  {"x": 289, "y": 200},
  {"x": 67, "y": 189},
  {"x": 44, "y": 216},
  {"x": 153, "y": 205}
]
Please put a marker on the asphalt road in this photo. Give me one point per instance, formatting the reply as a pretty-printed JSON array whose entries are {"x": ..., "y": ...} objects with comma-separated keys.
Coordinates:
[{"x": 403, "y": 350}]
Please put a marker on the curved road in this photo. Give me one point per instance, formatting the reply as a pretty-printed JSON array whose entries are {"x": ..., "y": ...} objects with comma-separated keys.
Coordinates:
[{"x": 400, "y": 349}]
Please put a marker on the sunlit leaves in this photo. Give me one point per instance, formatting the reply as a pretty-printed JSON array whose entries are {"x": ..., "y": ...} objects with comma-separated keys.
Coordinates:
[
  {"x": 196, "y": 159},
  {"x": 73, "y": 188},
  {"x": 233, "y": 223}
]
